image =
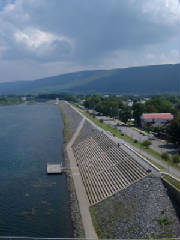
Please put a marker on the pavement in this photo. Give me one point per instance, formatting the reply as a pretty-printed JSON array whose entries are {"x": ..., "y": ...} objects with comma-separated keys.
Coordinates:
[{"x": 80, "y": 190}]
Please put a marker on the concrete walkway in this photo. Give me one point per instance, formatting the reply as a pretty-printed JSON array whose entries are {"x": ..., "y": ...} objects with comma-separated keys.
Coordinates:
[
  {"x": 80, "y": 190},
  {"x": 169, "y": 169}
]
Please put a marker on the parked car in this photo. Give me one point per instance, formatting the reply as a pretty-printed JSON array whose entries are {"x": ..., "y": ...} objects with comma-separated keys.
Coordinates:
[{"x": 151, "y": 138}]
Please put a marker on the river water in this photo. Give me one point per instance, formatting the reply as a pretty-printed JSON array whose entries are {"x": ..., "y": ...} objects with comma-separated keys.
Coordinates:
[{"x": 32, "y": 203}]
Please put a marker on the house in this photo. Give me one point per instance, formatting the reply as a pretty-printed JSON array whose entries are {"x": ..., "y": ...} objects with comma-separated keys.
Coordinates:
[
  {"x": 128, "y": 103},
  {"x": 155, "y": 119}
]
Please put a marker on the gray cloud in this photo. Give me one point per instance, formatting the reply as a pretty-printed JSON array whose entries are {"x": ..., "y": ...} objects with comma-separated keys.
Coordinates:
[
  {"x": 89, "y": 32},
  {"x": 99, "y": 27}
]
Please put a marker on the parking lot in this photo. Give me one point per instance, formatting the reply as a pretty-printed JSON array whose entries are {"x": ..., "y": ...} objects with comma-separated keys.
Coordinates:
[{"x": 158, "y": 145}]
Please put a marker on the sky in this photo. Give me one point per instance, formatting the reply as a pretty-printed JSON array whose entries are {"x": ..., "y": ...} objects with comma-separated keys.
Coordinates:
[{"x": 41, "y": 38}]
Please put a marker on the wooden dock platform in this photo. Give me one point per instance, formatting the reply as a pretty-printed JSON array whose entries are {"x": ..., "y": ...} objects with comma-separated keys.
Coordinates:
[{"x": 54, "y": 168}]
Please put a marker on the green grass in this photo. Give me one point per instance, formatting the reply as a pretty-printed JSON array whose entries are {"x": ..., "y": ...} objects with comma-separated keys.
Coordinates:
[
  {"x": 32, "y": 102},
  {"x": 173, "y": 181},
  {"x": 67, "y": 134},
  {"x": 10, "y": 101},
  {"x": 99, "y": 231},
  {"x": 154, "y": 163}
]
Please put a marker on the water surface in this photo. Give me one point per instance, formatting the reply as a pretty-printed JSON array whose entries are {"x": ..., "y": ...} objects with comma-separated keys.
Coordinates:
[{"x": 32, "y": 203}]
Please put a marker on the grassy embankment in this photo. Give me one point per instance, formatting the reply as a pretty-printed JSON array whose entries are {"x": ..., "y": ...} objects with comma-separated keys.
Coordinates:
[
  {"x": 67, "y": 134},
  {"x": 173, "y": 181},
  {"x": 98, "y": 229}
]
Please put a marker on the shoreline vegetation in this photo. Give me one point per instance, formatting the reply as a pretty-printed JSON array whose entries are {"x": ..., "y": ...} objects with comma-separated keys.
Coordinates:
[
  {"x": 6, "y": 101},
  {"x": 78, "y": 231},
  {"x": 67, "y": 135}
]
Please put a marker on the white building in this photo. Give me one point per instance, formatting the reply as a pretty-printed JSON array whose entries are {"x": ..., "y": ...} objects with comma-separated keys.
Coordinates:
[
  {"x": 128, "y": 103},
  {"x": 23, "y": 98},
  {"x": 155, "y": 119},
  {"x": 57, "y": 100}
]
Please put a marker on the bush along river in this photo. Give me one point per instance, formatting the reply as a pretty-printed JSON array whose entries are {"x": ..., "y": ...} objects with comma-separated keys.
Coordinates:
[{"x": 32, "y": 203}]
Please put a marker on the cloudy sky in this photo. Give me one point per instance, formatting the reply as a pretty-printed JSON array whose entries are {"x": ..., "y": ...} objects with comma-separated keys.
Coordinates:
[{"x": 40, "y": 38}]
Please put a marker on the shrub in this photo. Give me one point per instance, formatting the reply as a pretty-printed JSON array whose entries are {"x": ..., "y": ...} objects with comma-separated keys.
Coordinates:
[
  {"x": 165, "y": 156},
  {"x": 146, "y": 143},
  {"x": 101, "y": 121},
  {"x": 176, "y": 158},
  {"x": 135, "y": 141}
]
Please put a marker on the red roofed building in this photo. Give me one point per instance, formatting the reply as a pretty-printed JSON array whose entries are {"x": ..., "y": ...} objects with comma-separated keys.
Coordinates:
[{"x": 155, "y": 119}]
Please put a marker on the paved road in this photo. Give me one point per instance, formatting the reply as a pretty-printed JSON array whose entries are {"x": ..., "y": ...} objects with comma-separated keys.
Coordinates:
[
  {"x": 80, "y": 190},
  {"x": 168, "y": 168}
]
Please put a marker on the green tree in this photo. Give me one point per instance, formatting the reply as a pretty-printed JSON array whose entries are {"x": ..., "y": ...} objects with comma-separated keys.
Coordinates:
[
  {"x": 146, "y": 143},
  {"x": 165, "y": 156},
  {"x": 159, "y": 104},
  {"x": 173, "y": 130},
  {"x": 125, "y": 113},
  {"x": 138, "y": 110},
  {"x": 176, "y": 158}
]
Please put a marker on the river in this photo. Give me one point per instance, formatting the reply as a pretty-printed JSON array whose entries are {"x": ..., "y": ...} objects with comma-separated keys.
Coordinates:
[{"x": 32, "y": 203}]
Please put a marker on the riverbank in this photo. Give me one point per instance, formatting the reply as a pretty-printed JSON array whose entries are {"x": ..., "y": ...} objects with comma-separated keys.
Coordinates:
[
  {"x": 71, "y": 120},
  {"x": 7, "y": 101}
]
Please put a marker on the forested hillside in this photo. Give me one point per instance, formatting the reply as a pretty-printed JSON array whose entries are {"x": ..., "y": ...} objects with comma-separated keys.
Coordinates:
[{"x": 135, "y": 80}]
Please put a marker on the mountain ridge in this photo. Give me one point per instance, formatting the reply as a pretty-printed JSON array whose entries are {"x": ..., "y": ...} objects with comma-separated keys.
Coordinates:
[{"x": 137, "y": 80}]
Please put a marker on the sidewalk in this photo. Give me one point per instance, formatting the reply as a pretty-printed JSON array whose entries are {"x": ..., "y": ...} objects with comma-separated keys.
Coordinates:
[{"x": 80, "y": 190}]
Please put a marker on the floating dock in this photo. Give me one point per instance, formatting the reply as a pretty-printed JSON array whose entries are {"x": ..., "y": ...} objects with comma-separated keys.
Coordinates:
[{"x": 54, "y": 168}]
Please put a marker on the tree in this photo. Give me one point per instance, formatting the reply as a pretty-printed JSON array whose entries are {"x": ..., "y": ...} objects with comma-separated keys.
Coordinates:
[
  {"x": 173, "y": 130},
  {"x": 176, "y": 158},
  {"x": 146, "y": 143},
  {"x": 113, "y": 109},
  {"x": 158, "y": 104},
  {"x": 125, "y": 113},
  {"x": 165, "y": 156},
  {"x": 138, "y": 110}
]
